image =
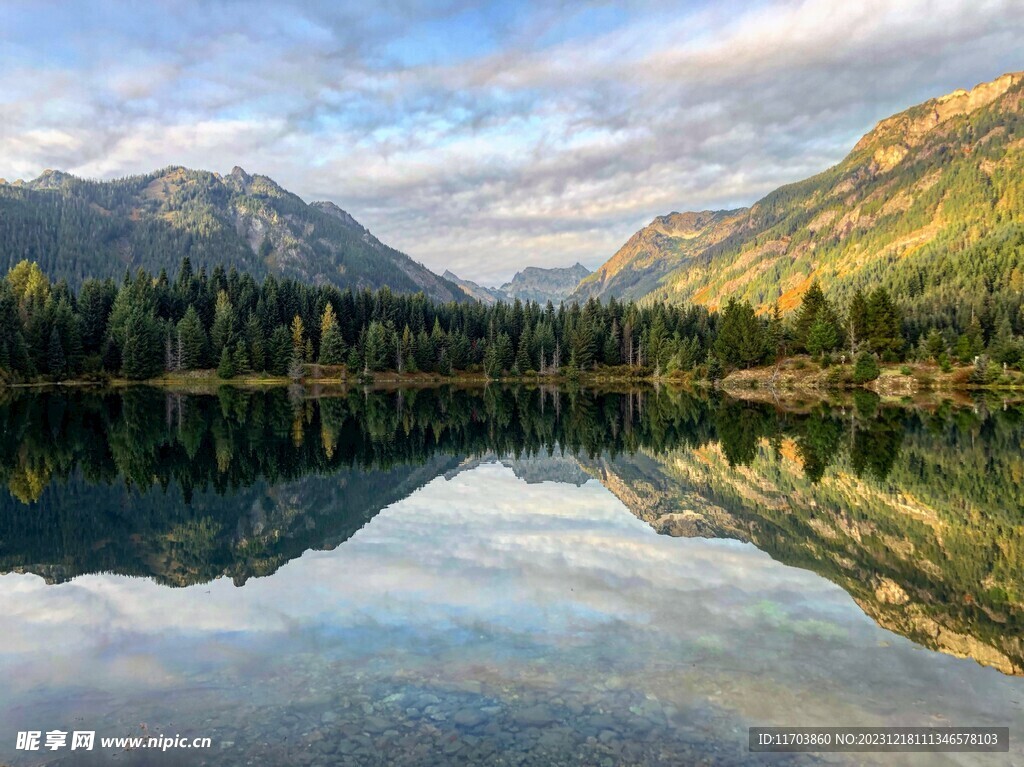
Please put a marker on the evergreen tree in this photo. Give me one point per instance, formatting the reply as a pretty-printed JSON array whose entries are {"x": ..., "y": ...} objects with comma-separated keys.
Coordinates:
[
  {"x": 741, "y": 336},
  {"x": 522, "y": 363},
  {"x": 858, "y": 321},
  {"x": 444, "y": 365},
  {"x": 407, "y": 352},
  {"x": 56, "y": 363},
  {"x": 141, "y": 355},
  {"x": 935, "y": 344},
  {"x": 816, "y": 307},
  {"x": 884, "y": 326},
  {"x": 240, "y": 358},
  {"x": 332, "y": 345},
  {"x": 94, "y": 304},
  {"x": 280, "y": 353},
  {"x": 191, "y": 340},
  {"x": 612, "y": 342},
  {"x": 971, "y": 343},
  {"x": 582, "y": 345},
  {"x": 823, "y": 336},
  {"x": 254, "y": 336},
  {"x": 222, "y": 332},
  {"x": 376, "y": 352},
  {"x": 226, "y": 368}
]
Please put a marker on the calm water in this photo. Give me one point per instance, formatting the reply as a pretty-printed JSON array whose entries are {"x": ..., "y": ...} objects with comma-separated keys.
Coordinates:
[{"x": 504, "y": 576}]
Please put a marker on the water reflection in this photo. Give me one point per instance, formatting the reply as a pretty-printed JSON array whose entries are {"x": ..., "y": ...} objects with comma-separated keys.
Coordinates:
[{"x": 513, "y": 608}]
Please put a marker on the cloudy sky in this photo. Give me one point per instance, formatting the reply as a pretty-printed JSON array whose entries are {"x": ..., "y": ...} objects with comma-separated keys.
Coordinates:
[{"x": 476, "y": 136}]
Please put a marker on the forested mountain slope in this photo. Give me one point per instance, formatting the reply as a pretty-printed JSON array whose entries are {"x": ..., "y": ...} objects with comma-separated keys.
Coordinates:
[
  {"x": 75, "y": 228},
  {"x": 929, "y": 204}
]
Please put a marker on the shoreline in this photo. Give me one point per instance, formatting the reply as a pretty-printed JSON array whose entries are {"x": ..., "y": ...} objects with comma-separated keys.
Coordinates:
[{"x": 792, "y": 378}]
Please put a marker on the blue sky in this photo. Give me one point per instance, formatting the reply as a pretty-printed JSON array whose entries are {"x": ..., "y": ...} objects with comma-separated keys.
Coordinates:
[{"x": 484, "y": 137}]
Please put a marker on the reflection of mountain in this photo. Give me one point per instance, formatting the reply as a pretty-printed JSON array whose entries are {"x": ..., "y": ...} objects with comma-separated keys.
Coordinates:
[
  {"x": 917, "y": 515},
  {"x": 935, "y": 562},
  {"x": 563, "y": 469},
  {"x": 154, "y": 533}
]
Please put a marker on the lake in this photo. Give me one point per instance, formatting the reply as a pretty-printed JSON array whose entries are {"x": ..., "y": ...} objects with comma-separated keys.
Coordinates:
[{"x": 506, "y": 575}]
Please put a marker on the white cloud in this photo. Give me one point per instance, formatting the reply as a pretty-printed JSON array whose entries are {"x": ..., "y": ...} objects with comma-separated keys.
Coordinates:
[{"x": 489, "y": 157}]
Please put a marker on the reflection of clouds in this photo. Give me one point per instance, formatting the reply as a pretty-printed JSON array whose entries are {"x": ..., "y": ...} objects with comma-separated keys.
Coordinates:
[
  {"x": 474, "y": 135},
  {"x": 485, "y": 571},
  {"x": 481, "y": 547}
]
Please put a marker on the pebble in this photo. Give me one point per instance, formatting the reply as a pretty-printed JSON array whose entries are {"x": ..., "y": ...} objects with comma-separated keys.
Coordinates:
[
  {"x": 537, "y": 715},
  {"x": 468, "y": 717}
]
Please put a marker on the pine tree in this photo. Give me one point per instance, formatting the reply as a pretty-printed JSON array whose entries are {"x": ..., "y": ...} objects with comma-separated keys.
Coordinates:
[
  {"x": 240, "y": 359},
  {"x": 332, "y": 345},
  {"x": 816, "y": 306},
  {"x": 406, "y": 353},
  {"x": 741, "y": 337},
  {"x": 858, "y": 320},
  {"x": 424, "y": 352},
  {"x": 444, "y": 365},
  {"x": 254, "y": 335},
  {"x": 280, "y": 353},
  {"x": 298, "y": 331},
  {"x": 95, "y": 300},
  {"x": 376, "y": 352},
  {"x": 56, "y": 363},
  {"x": 223, "y": 329},
  {"x": 191, "y": 340},
  {"x": 612, "y": 343},
  {"x": 68, "y": 325},
  {"x": 438, "y": 341},
  {"x": 935, "y": 344},
  {"x": 823, "y": 336},
  {"x": 141, "y": 352},
  {"x": 522, "y": 362},
  {"x": 883, "y": 325},
  {"x": 582, "y": 346},
  {"x": 226, "y": 368},
  {"x": 971, "y": 343}
]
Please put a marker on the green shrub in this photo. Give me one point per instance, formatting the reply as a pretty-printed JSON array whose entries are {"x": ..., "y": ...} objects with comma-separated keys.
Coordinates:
[{"x": 866, "y": 368}]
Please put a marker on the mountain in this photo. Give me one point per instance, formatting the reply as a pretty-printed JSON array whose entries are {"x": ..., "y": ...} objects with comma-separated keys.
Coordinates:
[
  {"x": 486, "y": 296},
  {"x": 75, "y": 228},
  {"x": 534, "y": 283},
  {"x": 907, "y": 551},
  {"x": 930, "y": 204},
  {"x": 543, "y": 285}
]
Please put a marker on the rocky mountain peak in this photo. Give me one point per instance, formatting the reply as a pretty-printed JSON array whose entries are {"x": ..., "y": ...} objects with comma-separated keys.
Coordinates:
[
  {"x": 328, "y": 207},
  {"x": 51, "y": 179},
  {"x": 911, "y": 126}
]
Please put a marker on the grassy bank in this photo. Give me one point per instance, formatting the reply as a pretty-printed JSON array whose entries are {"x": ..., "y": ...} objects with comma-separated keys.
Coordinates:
[{"x": 795, "y": 376}]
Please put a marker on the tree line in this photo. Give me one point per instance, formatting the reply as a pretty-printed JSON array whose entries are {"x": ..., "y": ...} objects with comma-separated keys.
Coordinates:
[{"x": 147, "y": 325}]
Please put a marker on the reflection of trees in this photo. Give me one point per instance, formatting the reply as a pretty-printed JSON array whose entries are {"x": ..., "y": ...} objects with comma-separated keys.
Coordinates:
[
  {"x": 142, "y": 444},
  {"x": 818, "y": 443},
  {"x": 147, "y": 437},
  {"x": 918, "y": 515}
]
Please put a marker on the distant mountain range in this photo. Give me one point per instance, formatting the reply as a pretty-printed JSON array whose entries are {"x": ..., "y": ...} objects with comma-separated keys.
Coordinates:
[
  {"x": 929, "y": 204},
  {"x": 75, "y": 228},
  {"x": 531, "y": 284}
]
